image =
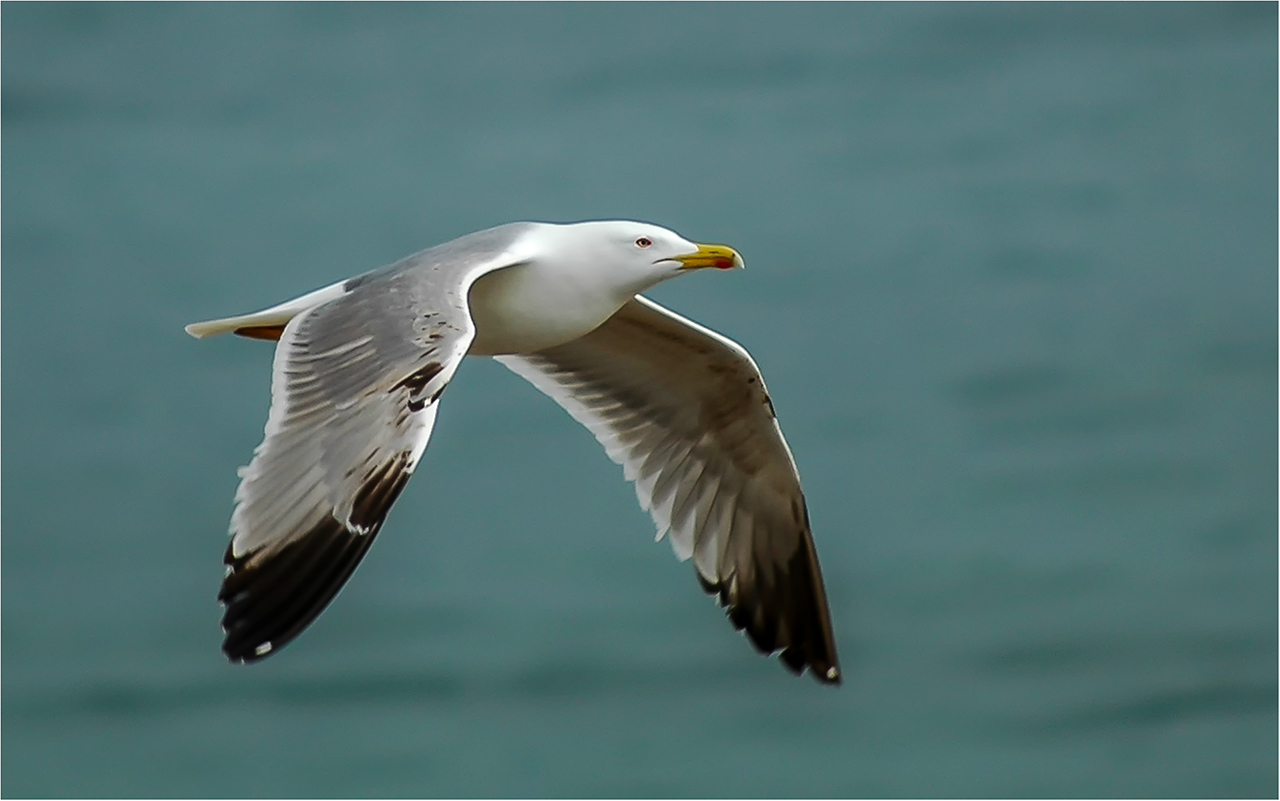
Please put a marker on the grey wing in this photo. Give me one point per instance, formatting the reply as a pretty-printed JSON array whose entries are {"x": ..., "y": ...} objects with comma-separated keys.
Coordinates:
[
  {"x": 353, "y": 399},
  {"x": 685, "y": 412}
]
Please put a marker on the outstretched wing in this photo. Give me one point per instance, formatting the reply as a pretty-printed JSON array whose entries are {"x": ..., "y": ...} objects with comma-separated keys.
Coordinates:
[
  {"x": 354, "y": 388},
  {"x": 685, "y": 412}
]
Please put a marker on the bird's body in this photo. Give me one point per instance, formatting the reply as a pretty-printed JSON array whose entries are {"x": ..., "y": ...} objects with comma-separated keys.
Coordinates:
[
  {"x": 535, "y": 306},
  {"x": 361, "y": 365}
]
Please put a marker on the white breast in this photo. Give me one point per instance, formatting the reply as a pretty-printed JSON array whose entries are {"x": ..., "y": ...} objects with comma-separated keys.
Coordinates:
[{"x": 524, "y": 308}]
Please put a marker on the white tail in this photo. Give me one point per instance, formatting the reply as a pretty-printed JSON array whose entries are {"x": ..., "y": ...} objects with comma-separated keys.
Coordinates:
[{"x": 268, "y": 318}]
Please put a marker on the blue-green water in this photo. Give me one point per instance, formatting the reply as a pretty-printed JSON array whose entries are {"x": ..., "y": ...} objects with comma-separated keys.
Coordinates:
[{"x": 1012, "y": 277}]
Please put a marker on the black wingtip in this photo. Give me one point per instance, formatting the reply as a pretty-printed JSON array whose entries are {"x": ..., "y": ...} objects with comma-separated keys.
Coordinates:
[
  {"x": 270, "y": 602},
  {"x": 273, "y": 596},
  {"x": 785, "y": 614}
]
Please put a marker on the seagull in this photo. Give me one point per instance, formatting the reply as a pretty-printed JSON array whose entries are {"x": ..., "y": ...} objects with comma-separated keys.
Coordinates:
[{"x": 356, "y": 380}]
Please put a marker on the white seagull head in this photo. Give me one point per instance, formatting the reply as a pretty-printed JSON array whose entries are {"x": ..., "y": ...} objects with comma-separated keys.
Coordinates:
[{"x": 634, "y": 255}]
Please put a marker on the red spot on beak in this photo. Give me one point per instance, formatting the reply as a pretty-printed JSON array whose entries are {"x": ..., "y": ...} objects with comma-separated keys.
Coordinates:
[{"x": 724, "y": 264}]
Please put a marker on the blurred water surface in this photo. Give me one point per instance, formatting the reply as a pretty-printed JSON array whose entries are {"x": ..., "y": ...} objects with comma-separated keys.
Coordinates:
[{"x": 1011, "y": 277}]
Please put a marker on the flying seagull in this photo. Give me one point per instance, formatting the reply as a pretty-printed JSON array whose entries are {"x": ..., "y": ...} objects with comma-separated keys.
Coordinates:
[{"x": 358, "y": 372}]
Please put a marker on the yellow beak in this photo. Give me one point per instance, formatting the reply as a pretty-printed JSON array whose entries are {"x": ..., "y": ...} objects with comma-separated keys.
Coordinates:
[{"x": 722, "y": 257}]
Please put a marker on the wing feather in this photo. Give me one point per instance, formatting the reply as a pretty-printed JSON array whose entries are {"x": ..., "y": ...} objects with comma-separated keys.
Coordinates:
[
  {"x": 686, "y": 413},
  {"x": 355, "y": 383}
]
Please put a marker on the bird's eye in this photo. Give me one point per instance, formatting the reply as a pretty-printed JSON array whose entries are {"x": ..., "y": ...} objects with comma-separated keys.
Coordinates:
[{"x": 644, "y": 242}]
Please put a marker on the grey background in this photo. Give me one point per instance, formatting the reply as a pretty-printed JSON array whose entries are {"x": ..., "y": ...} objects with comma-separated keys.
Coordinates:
[{"x": 1012, "y": 280}]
